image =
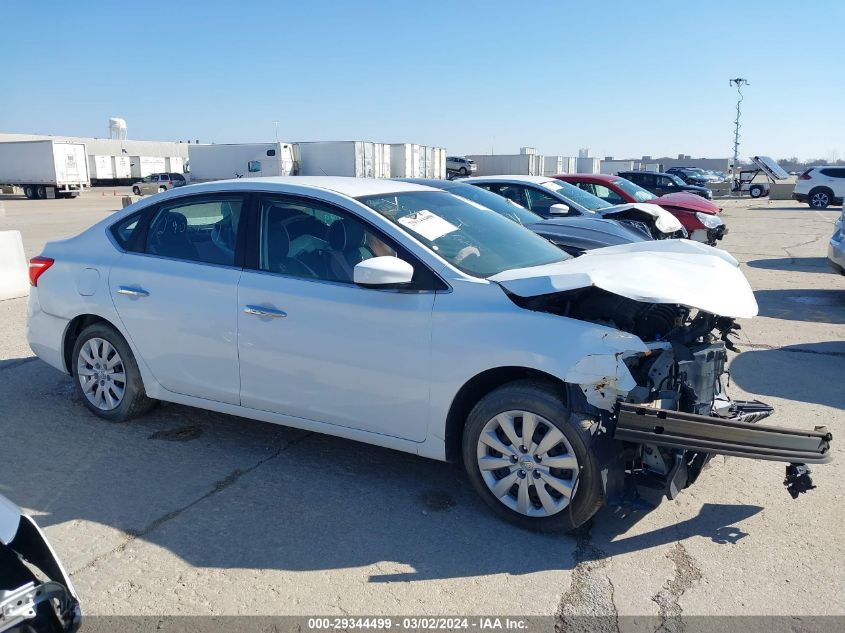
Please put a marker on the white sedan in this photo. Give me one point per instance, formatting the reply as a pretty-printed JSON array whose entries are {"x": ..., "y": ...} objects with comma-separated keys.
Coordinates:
[{"x": 400, "y": 315}]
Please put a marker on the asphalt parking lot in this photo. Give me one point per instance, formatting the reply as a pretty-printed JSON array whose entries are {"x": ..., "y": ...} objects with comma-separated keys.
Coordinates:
[{"x": 190, "y": 512}]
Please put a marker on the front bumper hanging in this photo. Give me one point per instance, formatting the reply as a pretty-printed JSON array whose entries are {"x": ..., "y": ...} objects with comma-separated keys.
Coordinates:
[{"x": 705, "y": 434}]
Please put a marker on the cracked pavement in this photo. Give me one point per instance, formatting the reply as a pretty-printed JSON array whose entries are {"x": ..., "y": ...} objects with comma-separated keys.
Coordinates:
[{"x": 191, "y": 512}]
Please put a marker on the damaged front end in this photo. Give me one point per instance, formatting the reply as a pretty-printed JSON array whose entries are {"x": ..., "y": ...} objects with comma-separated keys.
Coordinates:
[
  {"x": 660, "y": 426},
  {"x": 35, "y": 590}
]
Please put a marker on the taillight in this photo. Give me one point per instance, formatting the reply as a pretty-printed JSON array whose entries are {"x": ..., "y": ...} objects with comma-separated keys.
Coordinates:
[
  {"x": 37, "y": 266},
  {"x": 805, "y": 175}
]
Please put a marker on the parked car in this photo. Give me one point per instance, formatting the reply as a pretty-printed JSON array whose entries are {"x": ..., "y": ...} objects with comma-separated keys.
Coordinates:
[
  {"x": 690, "y": 175},
  {"x": 549, "y": 198},
  {"x": 821, "y": 186},
  {"x": 158, "y": 182},
  {"x": 836, "y": 247},
  {"x": 699, "y": 217},
  {"x": 660, "y": 183},
  {"x": 36, "y": 594},
  {"x": 460, "y": 165},
  {"x": 575, "y": 235},
  {"x": 407, "y": 317}
]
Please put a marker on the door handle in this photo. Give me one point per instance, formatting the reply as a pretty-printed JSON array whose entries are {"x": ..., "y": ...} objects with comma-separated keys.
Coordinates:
[
  {"x": 261, "y": 311},
  {"x": 132, "y": 292}
]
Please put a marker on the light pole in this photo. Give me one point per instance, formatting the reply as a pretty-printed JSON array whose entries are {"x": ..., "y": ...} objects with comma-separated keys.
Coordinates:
[
  {"x": 739, "y": 82},
  {"x": 276, "y": 128}
]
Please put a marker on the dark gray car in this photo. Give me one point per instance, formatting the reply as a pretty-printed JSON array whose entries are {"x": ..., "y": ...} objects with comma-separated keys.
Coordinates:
[{"x": 572, "y": 234}]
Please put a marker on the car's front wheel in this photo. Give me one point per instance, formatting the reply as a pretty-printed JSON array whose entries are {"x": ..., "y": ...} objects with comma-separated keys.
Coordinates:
[
  {"x": 106, "y": 375},
  {"x": 463, "y": 171},
  {"x": 529, "y": 458}
]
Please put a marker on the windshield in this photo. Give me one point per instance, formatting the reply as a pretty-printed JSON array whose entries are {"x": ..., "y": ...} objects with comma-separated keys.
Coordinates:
[
  {"x": 635, "y": 191},
  {"x": 501, "y": 205},
  {"x": 577, "y": 195},
  {"x": 472, "y": 238},
  {"x": 677, "y": 180}
]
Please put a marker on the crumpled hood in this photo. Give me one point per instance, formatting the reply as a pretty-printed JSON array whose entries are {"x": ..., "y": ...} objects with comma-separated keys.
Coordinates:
[
  {"x": 664, "y": 271},
  {"x": 688, "y": 201},
  {"x": 10, "y": 519},
  {"x": 663, "y": 220}
]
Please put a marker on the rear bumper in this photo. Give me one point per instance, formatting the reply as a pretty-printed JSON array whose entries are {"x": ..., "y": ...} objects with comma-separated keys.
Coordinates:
[
  {"x": 836, "y": 253},
  {"x": 719, "y": 436},
  {"x": 45, "y": 333}
]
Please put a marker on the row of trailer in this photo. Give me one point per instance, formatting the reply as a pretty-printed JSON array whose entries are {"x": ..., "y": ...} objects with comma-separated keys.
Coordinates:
[
  {"x": 59, "y": 168},
  {"x": 361, "y": 159}
]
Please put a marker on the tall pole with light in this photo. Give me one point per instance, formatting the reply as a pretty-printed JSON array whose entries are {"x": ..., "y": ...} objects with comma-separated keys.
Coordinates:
[{"x": 739, "y": 82}]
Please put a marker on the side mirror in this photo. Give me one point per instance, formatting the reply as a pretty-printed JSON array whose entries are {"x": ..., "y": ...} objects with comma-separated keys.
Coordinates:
[
  {"x": 383, "y": 272},
  {"x": 559, "y": 209}
]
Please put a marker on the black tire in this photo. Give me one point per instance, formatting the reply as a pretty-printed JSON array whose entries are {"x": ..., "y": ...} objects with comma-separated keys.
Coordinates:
[
  {"x": 162, "y": 189},
  {"x": 41, "y": 192},
  {"x": 756, "y": 191},
  {"x": 820, "y": 198},
  {"x": 545, "y": 400},
  {"x": 29, "y": 192},
  {"x": 463, "y": 171},
  {"x": 135, "y": 401},
  {"x": 136, "y": 191}
]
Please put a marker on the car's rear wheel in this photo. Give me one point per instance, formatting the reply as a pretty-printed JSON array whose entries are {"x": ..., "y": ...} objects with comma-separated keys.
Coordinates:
[
  {"x": 819, "y": 198},
  {"x": 530, "y": 460},
  {"x": 29, "y": 191},
  {"x": 106, "y": 375},
  {"x": 136, "y": 191},
  {"x": 463, "y": 171},
  {"x": 162, "y": 188}
]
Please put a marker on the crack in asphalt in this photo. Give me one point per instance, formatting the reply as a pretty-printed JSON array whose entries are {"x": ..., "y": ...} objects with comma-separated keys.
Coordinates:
[
  {"x": 667, "y": 599},
  {"x": 778, "y": 348},
  {"x": 590, "y": 593},
  {"x": 219, "y": 486}
]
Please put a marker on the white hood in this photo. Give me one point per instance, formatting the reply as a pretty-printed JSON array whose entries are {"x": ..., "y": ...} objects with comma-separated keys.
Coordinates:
[
  {"x": 663, "y": 220},
  {"x": 664, "y": 271},
  {"x": 10, "y": 519}
]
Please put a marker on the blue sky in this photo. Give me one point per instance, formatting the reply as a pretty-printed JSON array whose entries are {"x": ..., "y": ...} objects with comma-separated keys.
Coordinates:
[{"x": 621, "y": 78}]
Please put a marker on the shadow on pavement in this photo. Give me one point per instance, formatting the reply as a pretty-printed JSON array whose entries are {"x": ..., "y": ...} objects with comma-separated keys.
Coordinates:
[
  {"x": 810, "y": 372},
  {"x": 225, "y": 492},
  {"x": 806, "y": 304},
  {"x": 803, "y": 264}
]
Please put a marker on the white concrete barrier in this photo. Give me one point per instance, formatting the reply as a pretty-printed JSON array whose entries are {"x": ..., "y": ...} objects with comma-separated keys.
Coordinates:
[{"x": 14, "y": 269}]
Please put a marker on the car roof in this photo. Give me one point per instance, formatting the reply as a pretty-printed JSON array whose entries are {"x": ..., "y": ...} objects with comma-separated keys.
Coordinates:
[
  {"x": 345, "y": 185},
  {"x": 537, "y": 180},
  {"x": 644, "y": 171},
  {"x": 594, "y": 177},
  {"x": 432, "y": 182}
]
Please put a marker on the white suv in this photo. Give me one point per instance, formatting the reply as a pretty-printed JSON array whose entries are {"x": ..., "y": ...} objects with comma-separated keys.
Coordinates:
[
  {"x": 821, "y": 187},
  {"x": 460, "y": 165}
]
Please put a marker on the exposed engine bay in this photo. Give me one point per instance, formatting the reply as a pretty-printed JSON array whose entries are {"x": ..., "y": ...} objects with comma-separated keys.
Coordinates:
[{"x": 679, "y": 415}]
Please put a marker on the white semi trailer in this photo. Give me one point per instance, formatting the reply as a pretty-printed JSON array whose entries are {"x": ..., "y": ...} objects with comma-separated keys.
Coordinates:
[
  {"x": 45, "y": 169},
  {"x": 240, "y": 160}
]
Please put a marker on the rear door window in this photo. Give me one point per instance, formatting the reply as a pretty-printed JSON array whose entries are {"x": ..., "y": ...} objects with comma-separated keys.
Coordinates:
[{"x": 198, "y": 229}]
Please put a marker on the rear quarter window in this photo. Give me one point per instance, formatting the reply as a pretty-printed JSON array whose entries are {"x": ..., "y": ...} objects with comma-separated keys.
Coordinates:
[{"x": 126, "y": 232}]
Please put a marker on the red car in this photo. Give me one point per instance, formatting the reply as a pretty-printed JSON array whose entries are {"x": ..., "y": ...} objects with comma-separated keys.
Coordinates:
[{"x": 699, "y": 216}]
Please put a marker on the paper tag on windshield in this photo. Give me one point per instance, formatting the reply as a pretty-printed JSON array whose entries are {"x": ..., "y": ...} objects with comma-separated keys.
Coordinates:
[{"x": 427, "y": 224}]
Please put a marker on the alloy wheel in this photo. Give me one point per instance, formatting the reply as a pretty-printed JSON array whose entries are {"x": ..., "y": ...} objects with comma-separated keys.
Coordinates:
[
  {"x": 527, "y": 463},
  {"x": 819, "y": 200},
  {"x": 101, "y": 374}
]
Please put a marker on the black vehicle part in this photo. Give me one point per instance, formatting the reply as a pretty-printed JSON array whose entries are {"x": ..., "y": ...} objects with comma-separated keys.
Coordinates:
[
  {"x": 700, "y": 372},
  {"x": 26, "y": 603},
  {"x": 649, "y": 321},
  {"x": 797, "y": 480},
  {"x": 706, "y": 434}
]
